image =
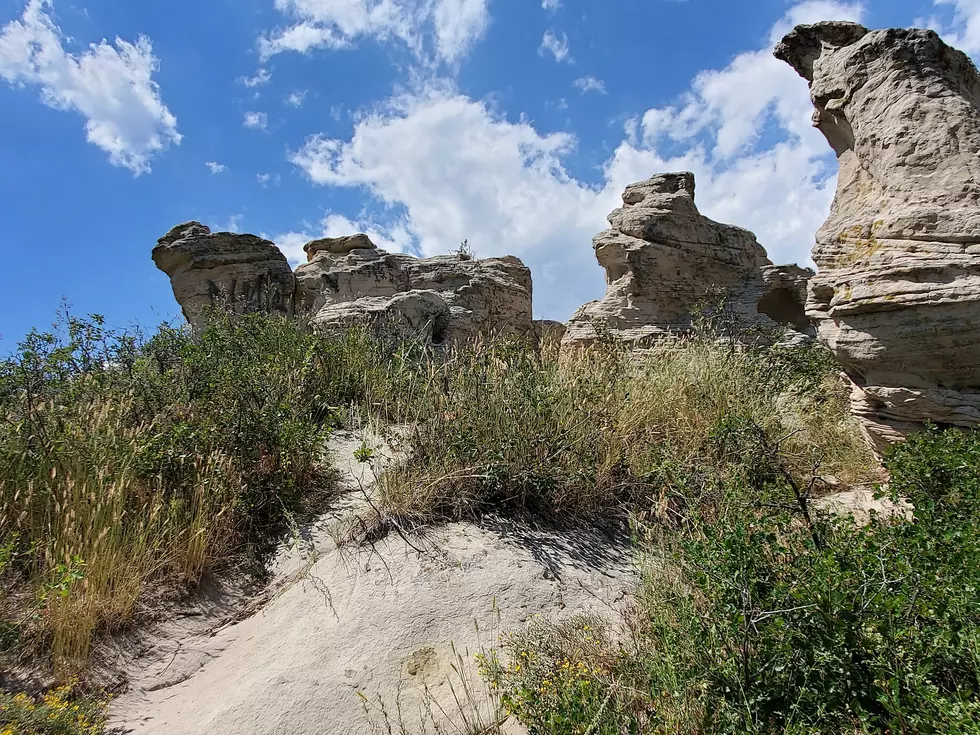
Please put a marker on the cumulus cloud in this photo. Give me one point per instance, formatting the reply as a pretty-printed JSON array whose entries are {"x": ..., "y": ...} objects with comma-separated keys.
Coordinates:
[
  {"x": 445, "y": 168},
  {"x": 434, "y": 30},
  {"x": 111, "y": 86},
  {"x": 458, "y": 23},
  {"x": 550, "y": 5},
  {"x": 589, "y": 83},
  {"x": 557, "y": 47},
  {"x": 256, "y": 120},
  {"x": 393, "y": 239},
  {"x": 458, "y": 171},
  {"x": 730, "y": 104},
  {"x": 215, "y": 167}
]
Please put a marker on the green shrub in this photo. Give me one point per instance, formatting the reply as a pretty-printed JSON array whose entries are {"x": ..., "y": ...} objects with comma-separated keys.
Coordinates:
[
  {"x": 138, "y": 464},
  {"x": 750, "y": 626}
]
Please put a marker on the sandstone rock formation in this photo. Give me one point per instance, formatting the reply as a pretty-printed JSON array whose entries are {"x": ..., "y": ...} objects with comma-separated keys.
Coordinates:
[
  {"x": 664, "y": 260},
  {"x": 347, "y": 281},
  {"x": 897, "y": 296},
  {"x": 243, "y": 273},
  {"x": 548, "y": 331},
  {"x": 447, "y": 298}
]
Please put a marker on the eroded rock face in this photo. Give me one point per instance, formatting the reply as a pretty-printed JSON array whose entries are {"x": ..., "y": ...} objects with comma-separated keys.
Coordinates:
[
  {"x": 243, "y": 273},
  {"x": 664, "y": 261},
  {"x": 348, "y": 281},
  {"x": 443, "y": 299},
  {"x": 549, "y": 332},
  {"x": 897, "y": 296}
]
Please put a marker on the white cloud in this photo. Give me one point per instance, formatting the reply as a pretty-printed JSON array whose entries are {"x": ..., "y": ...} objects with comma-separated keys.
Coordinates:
[
  {"x": 256, "y": 120},
  {"x": 296, "y": 99},
  {"x": 448, "y": 168},
  {"x": 263, "y": 179},
  {"x": 550, "y": 5},
  {"x": 461, "y": 172},
  {"x": 395, "y": 239},
  {"x": 434, "y": 30},
  {"x": 964, "y": 34},
  {"x": 458, "y": 23},
  {"x": 731, "y": 104},
  {"x": 261, "y": 78},
  {"x": 112, "y": 87},
  {"x": 234, "y": 224},
  {"x": 779, "y": 185},
  {"x": 215, "y": 167},
  {"x": 557, "y": 47},
  {"x": 589, "y": 83}
]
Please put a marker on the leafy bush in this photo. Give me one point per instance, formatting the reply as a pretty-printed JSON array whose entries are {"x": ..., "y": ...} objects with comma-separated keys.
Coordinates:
[{"x": 763, "y": 624}]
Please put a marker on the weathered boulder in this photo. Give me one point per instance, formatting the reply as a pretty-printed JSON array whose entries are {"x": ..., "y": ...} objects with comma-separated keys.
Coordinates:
[
  {"x": 665, "y": 261},
  {"x": 447, "y": 298},
  {"x": 243, "y": 273},
  {"x": 897, "y": 295},
  {"x": 549, "y": 332}
]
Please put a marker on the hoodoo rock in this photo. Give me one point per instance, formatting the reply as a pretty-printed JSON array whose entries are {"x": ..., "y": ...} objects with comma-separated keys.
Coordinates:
[
  {"x": 447, "y": 298},
  {"x": 242, "y": 273},
  {"x": 897, "y": 295},
  {"x": 348, "y": 281},
  {"x": 665, "y": 262}
]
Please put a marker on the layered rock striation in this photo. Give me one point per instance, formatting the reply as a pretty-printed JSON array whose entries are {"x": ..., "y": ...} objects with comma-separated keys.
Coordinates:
[
  {"x": 897, "y": 295},
  {"x": 666, "y": 263}
]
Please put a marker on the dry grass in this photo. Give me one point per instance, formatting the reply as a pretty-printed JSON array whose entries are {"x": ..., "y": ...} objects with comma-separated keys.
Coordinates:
[
  {"x": 129, "y": 470},
  {"x": 498, "y": 427}
]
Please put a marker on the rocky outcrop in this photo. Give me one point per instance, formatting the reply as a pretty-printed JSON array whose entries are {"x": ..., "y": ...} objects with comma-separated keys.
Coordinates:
[
  {"x": 243, "y": 273},
  {"x": 665, "y": 262},
  {"x": 897, "y": 296},
  {"x": 447, "y": 298},
  {"x": 348, "y": 281},
  {"x": 549, "y": 332}
]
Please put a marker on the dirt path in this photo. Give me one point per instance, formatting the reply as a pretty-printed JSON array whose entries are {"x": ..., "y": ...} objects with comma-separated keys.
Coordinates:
[{"x": 382, "y": 625}]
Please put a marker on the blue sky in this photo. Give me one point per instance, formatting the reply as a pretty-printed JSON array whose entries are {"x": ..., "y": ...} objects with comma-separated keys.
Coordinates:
[{"x": 512, "y": 123}]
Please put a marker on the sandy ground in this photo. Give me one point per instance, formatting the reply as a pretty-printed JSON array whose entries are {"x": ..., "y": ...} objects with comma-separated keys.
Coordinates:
[
  {"x": 339, "y": 632},
  {"x": 350, "y": 640}
]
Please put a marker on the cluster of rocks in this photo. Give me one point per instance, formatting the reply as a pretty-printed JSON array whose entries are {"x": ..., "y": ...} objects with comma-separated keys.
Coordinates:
[
  {"x": 895, "y": 296},
  {"x": 348, "y": 281},
  {"x": 897, "y": 291},
  {"x": 667, "y": 264},
  {"x": 664, "y": 261}
]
